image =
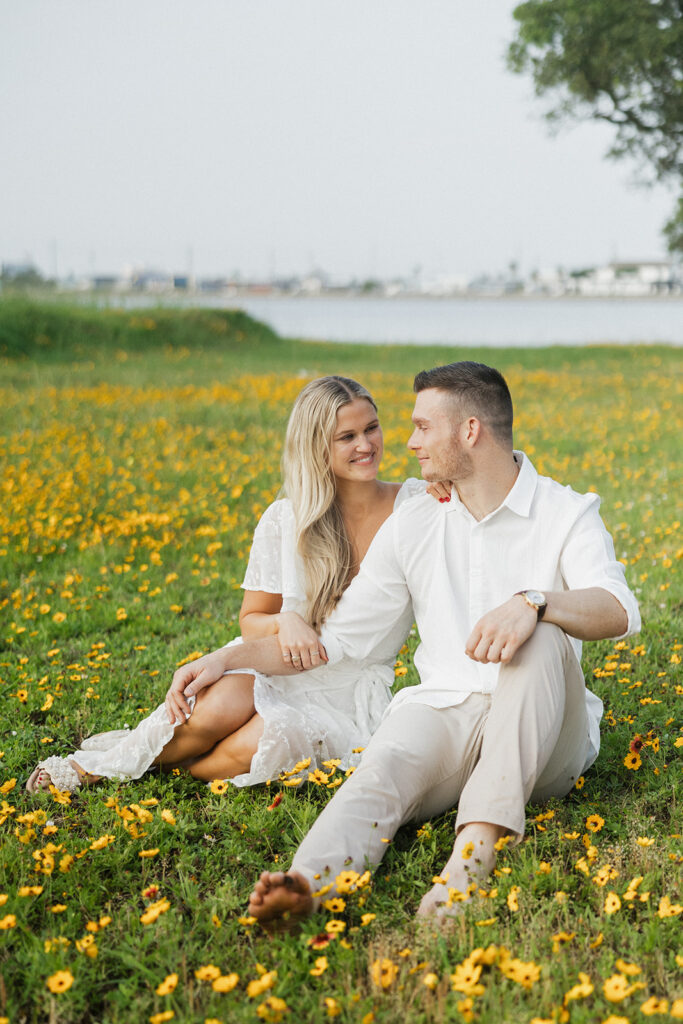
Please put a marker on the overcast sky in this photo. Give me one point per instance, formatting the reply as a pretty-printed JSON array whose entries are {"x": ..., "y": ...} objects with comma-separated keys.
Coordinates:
[{"x": 363, "y": 137}]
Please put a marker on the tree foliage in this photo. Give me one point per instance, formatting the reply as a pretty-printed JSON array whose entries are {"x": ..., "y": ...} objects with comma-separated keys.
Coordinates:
[{"x": 617, "y": 61}]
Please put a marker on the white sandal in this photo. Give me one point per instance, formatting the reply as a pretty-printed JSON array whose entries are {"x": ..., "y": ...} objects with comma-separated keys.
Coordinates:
[{"x": 60, "y": 773}]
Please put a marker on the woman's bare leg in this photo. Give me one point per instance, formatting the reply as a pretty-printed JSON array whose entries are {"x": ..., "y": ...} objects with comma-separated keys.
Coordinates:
[
  {"x": 219, "y": 712},
  {"x": 232, "y": 756}
]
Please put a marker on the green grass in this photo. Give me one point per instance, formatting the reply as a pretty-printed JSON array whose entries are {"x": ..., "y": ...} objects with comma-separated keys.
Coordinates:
[{"x": 138, "y": 451}]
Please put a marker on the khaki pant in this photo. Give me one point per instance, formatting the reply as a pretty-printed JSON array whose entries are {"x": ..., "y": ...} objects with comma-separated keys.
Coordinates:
[{"x": 490, "y": 755}]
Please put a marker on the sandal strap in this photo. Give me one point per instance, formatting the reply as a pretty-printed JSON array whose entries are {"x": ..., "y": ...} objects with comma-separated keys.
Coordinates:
[{"x": 64, "y": 777}]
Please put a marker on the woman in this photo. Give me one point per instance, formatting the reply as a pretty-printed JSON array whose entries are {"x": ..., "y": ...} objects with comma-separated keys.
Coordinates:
[{"x": 307, "y": 548}]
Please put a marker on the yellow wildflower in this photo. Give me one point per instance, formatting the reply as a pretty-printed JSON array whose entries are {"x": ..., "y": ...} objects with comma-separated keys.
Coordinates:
[
  {"x": 335, "y": 905},
  {"x": 628, "y": 969},
  {"x": 335, "y": 926},
  {"x": 612, "y": 903},
  {"x": 262, "y": 984},
  {"x": 225, "y": 982},
  {"x": 383, "y": 972},
  {"x": 654, "y": 1005},
  {"x": 272, "y": 1010},
  {"x": 668, "y": 909},
  {"x": 465, "y": 978},
  {"x": 207, "y": 973},
  {"x": 167, "y": 986},
  {"x": 561, "y": 937},
  {"x": 580, "y": 991},
  {"x": 99, "y": 844},
  {"x": 154, "y": 910},
  {"x": 512, "y": 898},
  {"x": 61, "y": 981},
  {"x": 525, "y": 973},
  {"x": 616, "y": 988}
]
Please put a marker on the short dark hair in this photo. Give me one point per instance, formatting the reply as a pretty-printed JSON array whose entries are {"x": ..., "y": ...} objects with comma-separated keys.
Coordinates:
[{"x": 479, "y": 390}]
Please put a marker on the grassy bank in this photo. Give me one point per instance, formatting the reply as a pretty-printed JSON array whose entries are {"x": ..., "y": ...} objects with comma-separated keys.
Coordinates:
[{"x": 138, "y": 452}]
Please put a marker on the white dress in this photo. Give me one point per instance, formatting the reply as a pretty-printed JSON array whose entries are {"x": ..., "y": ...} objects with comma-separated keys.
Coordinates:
[{"x": 321, "y": 714}]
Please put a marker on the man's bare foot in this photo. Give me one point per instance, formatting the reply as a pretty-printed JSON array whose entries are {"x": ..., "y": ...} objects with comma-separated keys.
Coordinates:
[
  {"x": 445, "y": 901},
  {"x": 280, "y": 898},
  {"x": 469, "y": 865}
]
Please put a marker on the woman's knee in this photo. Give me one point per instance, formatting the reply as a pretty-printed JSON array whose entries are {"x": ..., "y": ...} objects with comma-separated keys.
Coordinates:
[
  {"x": 225, "y": 699},
  {"x": 231, "y": 757}
]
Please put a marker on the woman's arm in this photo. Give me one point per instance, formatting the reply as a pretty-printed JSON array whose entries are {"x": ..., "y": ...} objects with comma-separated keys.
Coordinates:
[{"x": 258, "y": 614}]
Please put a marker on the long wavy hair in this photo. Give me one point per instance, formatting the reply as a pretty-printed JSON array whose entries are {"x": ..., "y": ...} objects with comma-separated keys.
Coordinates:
[{"x": 309, "y": 483}]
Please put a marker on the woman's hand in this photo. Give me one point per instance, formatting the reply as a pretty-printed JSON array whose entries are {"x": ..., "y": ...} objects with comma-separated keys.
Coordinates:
[
  {"x": 202, "y": 672},
  {"x": 441, "y": 490},
  {"x": 299, "y": 643}
]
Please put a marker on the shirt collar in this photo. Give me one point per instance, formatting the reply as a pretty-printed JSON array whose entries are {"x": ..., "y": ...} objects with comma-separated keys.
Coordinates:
[
  {"x": 521, "y": 494},
  {"x": 519, "y": 497}
]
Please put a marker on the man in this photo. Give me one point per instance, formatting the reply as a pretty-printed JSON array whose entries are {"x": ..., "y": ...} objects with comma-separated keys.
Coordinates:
[{"x": 506, "y": 579}]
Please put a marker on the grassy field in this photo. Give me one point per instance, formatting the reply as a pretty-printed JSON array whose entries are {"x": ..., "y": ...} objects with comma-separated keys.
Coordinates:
[{"x": 138, "y": 451}]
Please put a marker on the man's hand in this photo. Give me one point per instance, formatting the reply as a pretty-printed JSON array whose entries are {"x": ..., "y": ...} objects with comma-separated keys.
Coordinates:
[
  {"x": 300, "y": 645},
  {"x": 189, "y": 680},
  {"x": 501, "y": 632}
]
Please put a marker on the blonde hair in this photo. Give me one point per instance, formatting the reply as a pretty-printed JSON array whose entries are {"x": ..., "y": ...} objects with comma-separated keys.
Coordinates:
[{"x": 309, "y": 483}]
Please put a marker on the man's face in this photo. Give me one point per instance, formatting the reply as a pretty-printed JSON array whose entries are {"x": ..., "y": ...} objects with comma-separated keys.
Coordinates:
[{"x": 435, "y": 439}]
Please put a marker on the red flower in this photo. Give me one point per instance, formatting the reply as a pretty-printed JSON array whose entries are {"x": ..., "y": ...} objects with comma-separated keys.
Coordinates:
[
  {"x": 275, "y": 802},
  {"x": 636, "y": 744}
]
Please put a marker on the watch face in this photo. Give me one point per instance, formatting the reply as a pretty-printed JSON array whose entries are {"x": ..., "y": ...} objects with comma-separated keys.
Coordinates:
[{"x": 536, "y": 596}]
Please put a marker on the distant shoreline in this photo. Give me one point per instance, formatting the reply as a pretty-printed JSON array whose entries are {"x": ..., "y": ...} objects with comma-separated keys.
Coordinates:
[{"x": 205, "y": 296}]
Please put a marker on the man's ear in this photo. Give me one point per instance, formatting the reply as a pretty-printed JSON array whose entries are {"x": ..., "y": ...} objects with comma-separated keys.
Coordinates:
[{"x": 470, "y": 430}]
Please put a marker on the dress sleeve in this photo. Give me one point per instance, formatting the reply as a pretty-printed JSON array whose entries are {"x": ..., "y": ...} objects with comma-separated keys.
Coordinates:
[
  {"x": 410, "y": 488},
  {"x": 265, "y": 568}
]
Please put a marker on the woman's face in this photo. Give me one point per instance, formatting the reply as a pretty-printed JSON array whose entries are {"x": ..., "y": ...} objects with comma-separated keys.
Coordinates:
[{"x": 357, "y": 442}]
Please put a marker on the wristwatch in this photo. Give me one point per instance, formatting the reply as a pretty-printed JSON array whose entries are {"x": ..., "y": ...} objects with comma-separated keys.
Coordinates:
[{"x": 535, "y": 599}]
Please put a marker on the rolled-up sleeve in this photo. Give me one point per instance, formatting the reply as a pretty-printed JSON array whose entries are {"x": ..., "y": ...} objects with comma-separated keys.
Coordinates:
[
  {"x": 376, "y": 610},
  {"x": 589, "y": 560}
]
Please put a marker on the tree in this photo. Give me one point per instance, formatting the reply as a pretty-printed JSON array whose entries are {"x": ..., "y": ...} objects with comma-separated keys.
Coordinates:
[{"x": 618, "y": 61}]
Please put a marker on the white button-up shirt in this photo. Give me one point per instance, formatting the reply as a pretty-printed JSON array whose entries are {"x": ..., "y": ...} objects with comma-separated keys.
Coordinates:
[{"x": 454, "y": 569}]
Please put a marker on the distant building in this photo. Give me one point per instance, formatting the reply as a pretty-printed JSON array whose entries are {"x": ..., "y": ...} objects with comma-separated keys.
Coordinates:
[
  {"x": 626, "y": 280},
  {"x": 152, "y": 281},
  {"x": 105, "y": 282}
]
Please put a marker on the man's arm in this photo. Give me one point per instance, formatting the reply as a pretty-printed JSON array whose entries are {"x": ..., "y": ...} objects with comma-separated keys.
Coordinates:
[
  {"x": 589, "y": 614},
  {"x": 597, "y": 604}
]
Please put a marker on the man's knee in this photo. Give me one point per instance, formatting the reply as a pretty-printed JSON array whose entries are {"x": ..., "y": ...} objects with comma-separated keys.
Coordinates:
[{"x": 548, "y": 646}]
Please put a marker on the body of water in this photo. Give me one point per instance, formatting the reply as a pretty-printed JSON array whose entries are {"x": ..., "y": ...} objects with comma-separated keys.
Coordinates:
[{"x": 497, "y": 323}]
